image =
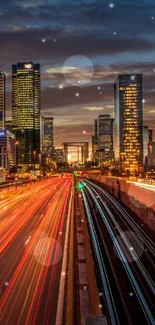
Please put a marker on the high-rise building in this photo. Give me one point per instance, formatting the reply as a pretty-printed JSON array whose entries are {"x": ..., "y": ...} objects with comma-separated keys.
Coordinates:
[
  {"x": 105, "y": 139},
  {"x": 145, "y": 142},
  {"x": 47, "y": 135},
  {"x": 150, "y": 135},
  {"x": 94, "y": 141},
  {"x": 58, "y": 155},
  {"x": 105, "y": 132},
  {"x": 2, "y": 100},
  {"x": 128, "y": 124},
  {"x": 151, "y": 154},
  {"x": 26, "y": 111},
  {"x": 7, "y": 149}
]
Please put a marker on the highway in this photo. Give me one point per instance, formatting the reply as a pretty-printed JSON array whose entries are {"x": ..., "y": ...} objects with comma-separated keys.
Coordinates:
[
  {"x": 125, "y": 258},
  {"x": 33, "y": 222}
]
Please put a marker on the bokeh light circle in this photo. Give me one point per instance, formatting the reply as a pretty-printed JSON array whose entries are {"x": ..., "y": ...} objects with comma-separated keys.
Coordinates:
[
  {"x": 78, "y": 70},
  {"x": 48, "y": 251},
  {"x": 135, "y": 248}
]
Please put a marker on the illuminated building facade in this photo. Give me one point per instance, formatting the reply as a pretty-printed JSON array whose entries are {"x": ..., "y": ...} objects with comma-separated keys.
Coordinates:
[
  {"x": 82, "y": 150},
  {"x": 150, "y": 166},
  {"x": 151, "y": 154},
  {"x": 128, "y": 124},
  {"x": 7, "y": 149},
  {"x": 47, "y": 135},
  {"x": 145, "y": 142},
  {"x": 105, "y": 151},
  {"x": 26, "y": 111},
  {"x": 94, "y": 141},
  {"x": 58, "y": 155},
  {"x": 150, "y": 135},
  {"x": 2, "y": 100},
  {"x": 105, "y": 132}
]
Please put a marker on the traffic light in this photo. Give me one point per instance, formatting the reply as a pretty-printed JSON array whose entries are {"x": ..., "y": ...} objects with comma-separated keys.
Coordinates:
[{"x": 80, "y": 186}]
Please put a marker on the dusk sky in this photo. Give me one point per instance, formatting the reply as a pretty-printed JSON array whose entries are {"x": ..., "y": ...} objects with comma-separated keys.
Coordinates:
[{"x": 81, "y": 46}]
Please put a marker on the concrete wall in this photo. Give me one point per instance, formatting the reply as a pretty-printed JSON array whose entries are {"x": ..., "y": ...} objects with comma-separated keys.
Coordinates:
[{"x": 138, "y": 199}]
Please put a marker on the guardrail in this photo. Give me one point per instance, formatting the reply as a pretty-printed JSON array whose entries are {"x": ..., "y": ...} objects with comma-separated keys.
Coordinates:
[{"x": 16, "y": 184}]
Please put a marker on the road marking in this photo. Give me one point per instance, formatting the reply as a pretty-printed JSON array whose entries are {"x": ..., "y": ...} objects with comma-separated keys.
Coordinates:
[{"x": 28, "y": 240}]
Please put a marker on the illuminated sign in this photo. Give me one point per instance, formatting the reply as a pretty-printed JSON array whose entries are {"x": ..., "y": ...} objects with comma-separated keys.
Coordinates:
[
  {"x": 132, "y": 77},
  {"x": 28, "y": 66},
  {"x": 2, "y": 133}
]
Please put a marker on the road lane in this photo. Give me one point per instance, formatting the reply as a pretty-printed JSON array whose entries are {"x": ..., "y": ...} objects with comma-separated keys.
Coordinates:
[{"x": 32, "y": 248}]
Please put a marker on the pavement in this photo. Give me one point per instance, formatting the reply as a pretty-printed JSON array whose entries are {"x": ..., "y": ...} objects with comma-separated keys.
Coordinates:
[{"x": 33, "y": 225}]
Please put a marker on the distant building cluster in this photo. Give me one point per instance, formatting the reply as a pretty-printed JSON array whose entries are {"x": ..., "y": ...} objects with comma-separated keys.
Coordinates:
[
  {"x": 124, "y": 143},
  {"x": 27, "y": 140}
]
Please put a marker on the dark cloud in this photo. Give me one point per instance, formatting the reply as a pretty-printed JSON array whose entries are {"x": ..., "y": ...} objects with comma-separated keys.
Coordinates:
[
  {"x": 84, "y": 27},
  {"x": 27, "y": 45}
]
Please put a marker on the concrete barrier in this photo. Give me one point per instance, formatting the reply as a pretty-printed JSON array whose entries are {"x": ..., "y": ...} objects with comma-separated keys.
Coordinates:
[{"x": 138, "y": 199}]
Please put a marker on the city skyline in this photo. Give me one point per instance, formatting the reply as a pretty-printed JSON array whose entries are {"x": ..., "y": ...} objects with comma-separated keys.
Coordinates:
[
  {"x": 110, "y": 50},
  {"x": 77, "y": 162}
]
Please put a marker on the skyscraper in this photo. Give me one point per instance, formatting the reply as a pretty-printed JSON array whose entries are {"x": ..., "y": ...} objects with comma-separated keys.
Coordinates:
[
  {"x": 2, "y": 100},
  {"x": 26, "y": 111},
  {"x": 151, "y": 154},
  {"x": 105, "y": 132},
  {"x": 128, "y": 124},
  {"x": 94, "y": 140},
  {"x": 145, "y": 142},
  {"x": 47, "y": 135},
  {"x": 150, "y": 135},
  {"x": 105, "y": 139},
  {"x": 7, "y": 149}
]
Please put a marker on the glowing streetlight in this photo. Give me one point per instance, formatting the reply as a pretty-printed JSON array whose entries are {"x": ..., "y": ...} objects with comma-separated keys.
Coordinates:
[{"x": 80, "y": 186}]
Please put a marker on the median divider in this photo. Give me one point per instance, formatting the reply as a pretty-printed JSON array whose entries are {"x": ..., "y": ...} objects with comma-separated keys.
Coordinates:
[
  {"x": 82, "y": 296},
  {"x": 92, "y": 284},
  {"x": 70, "y": 301}
]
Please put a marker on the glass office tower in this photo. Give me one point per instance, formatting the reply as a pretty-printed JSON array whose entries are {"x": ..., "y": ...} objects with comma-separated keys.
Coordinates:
[
  {"x": 145, "y": 142},
  {"x": 26, "y": 111},
  {"x": 47, "y": 130},
  {"x": 105, "y": 138},
  {"x": 2, "y": 100},
  {"x": 128, "y": 124},
  {"x": 105, "y": 132},
  {"x": 7, "y": 149},
  {"x": 94, "y": 141},
  {"x": 150, "y": 135}
]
